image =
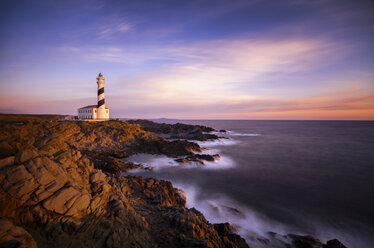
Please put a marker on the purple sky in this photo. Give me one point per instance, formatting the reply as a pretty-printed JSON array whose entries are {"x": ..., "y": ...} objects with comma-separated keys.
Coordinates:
[{"x": 203, "y": 59}]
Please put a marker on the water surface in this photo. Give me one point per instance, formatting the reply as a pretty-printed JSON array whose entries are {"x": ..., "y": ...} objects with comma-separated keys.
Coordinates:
[{"x": 307, "y": 177}]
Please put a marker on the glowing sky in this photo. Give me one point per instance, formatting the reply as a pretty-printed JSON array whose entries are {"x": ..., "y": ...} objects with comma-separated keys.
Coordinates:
[{"x": 203, "y": 59}]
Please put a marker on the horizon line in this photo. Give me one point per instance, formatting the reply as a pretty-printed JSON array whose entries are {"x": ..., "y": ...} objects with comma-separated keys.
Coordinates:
[{"x": 199, "y": 119}]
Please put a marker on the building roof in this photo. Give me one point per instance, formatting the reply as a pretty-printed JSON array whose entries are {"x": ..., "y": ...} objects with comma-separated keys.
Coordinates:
[{"x": 89, "y": 106}]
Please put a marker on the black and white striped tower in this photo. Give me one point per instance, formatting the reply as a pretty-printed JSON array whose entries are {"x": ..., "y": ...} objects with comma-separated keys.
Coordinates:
[{"x": 101, "y": 114}]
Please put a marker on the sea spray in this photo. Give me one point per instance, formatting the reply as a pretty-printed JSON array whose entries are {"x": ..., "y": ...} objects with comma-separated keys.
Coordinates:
[
  {"x": 232, "y": 133},
  {"x": 251, "y": 225},
  {"x": 161, "y": 161},
  {"x": 217, "y": 142}
]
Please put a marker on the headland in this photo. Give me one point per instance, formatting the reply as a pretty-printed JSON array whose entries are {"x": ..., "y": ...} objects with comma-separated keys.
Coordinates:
[{"x": 62, "y": 185}]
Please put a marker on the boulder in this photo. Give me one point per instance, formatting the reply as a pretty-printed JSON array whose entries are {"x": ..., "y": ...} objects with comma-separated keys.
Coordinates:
[
  {"x": 198, "y": 159},
  {"x": 79, "y": 205},
  {"x": 223, "y": 229},
  {"x": 6, "y": 161},
  {"x": 97, "y": 176},
  {"x": 14, "y": 236},
  {"x": 25, "y": 155},
  {"x": 334, "y": 243},
  {"x": 307, "y": 241},
  {"x": 62, "y": 200},
  {"x": 18, "y": 181},
  {"x": 95, "y": 203},
  {"x": 39, "y": 172}
]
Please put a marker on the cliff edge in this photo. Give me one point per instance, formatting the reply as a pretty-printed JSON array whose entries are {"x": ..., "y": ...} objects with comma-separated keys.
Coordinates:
[
  {"x": 54, "y": 193},
  {"x": 61, "y": 186}
]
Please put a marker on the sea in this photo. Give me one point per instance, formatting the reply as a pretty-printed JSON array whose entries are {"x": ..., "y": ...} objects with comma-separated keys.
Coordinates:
[{"x": 302, "y": 177}]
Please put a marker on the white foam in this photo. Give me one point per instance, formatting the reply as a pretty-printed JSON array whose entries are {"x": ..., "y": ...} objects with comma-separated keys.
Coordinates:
[
  {"x": 209, "y": 151},
  {"x": 220, "y": 209},
  {"x": 152, "y": 160},
  {"x": 223, "y": 162},
  {"x": 217, "y": 142},
  {"x": 232, "y": 133},
  {"x": 161, "y": 161}
]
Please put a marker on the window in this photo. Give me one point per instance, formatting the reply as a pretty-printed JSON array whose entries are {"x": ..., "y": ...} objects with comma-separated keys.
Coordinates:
[{"x": 107, "y": 111}]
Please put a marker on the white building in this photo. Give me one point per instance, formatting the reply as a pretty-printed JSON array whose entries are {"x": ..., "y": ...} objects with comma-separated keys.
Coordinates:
[{"x": 99, "y": 111}]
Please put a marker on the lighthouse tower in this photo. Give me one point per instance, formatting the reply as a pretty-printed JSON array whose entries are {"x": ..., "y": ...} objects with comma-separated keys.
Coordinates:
[
  {"x": 99, "y": 111},
  {"x": 102, "y": 112}
]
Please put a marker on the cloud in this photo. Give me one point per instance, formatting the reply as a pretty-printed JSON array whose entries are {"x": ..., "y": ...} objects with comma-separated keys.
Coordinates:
[
  {"x": 360, "y": 106},
  {"x": 350, "y": 99},
  {"x": 112, "y": 29},
  {"x": 237, "y": 78},
  {"x": 253, "y": 55},
  {"x": 224, "y": 69}
]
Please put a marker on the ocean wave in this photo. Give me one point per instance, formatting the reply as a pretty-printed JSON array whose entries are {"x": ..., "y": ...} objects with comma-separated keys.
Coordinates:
[
  {"x": 223, "y": 162},
  {"x": 151, "y": 160},
  {"x": 217, "y": 142},
  {"x": 209, "y": 151},
  {"x": 161, "y": 161},
  {"x": 251, "y": 225},
  {"x": 232, "y": 133},
  {"x": 257, "y": 229}
]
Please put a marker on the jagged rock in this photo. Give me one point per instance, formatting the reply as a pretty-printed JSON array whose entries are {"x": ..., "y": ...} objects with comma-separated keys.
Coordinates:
[
  {"x": 334, "y": 244},
  {"x": 6, "y": 161},
  {"x": 25, "y": 155},
  {"x": 14, "y": 236},
  {"x": 198, "y": 159},
  {"x": 116, "y": 138},
  {"x": 95, "y": 203},
  {"x": 113, "y": 240},
  {"x": 227, "y": 235},
  {"x": 223, "y": 229},
  {"x": 177, "y": 131},
  {"x": 307, "y": 241},
  {"x": 39, "y": 172},
  {"x": 18, "y": 181},
  {"x": 62, "y": 200},
  {"x": 179, "y": 148},
  {"x": 80, "y": 204},
  {"x": 97, "y": 176}
]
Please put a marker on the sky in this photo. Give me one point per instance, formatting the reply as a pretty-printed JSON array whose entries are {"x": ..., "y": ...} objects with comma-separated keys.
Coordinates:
[{"x": 195, "y": 59}]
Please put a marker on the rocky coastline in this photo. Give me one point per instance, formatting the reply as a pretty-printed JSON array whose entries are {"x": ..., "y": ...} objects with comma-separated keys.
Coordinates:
[{"x": 62, "y": 186}]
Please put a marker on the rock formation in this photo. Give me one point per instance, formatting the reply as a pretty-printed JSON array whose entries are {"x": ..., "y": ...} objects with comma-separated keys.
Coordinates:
[
  {"x": 54, "y": 194},
  {"x": 177, "y": 131},
  {"x": 198, "y": 159},
  {"x": 61, "y": 186}
]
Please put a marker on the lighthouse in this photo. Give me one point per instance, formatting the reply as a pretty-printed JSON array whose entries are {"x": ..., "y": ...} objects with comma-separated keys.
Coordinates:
[
  {"x": 99, "y": 111},
  {"x": 102, "y": 112}
]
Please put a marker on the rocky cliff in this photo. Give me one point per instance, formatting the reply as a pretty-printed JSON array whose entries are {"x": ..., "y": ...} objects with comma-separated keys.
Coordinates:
[
  {"x": 177, "y": 131},
  {"x": 61, "y": 186},
  {"x": 54, "y": 193}
]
